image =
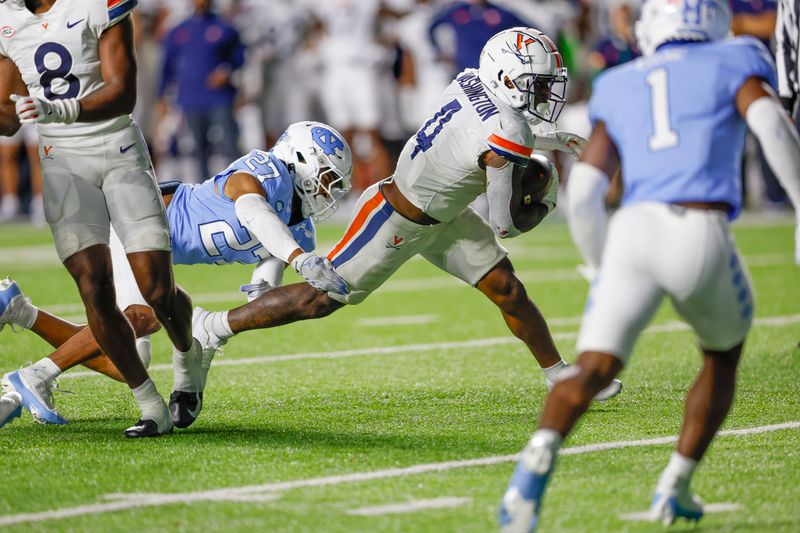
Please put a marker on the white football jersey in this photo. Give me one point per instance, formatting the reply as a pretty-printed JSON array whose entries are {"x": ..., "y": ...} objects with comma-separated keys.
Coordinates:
[
  {"x": 438, "y": 170},
  {"x": 57, "y": 53}
]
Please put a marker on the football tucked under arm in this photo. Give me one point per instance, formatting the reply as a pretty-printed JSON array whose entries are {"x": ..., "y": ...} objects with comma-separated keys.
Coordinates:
[{"x": 535, "y": 193}]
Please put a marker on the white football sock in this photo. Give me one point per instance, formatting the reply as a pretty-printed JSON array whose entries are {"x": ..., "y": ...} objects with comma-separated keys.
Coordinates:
[
  {"x": 552, "y": 373},
  {"x": 44, "y": 369},
  {"x": 679, "y": 469},
  {"x": 217, "y": 323},
  {"x": 144, "y": 348},
  {"x": 185, "y": 368},
  {"x": 27, "y": 315},
  {"x": 150, "y": 402},
  {"x": 540, "y": 453}
]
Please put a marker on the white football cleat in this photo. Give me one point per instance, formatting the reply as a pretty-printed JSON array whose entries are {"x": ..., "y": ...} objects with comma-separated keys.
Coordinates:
[
  {"x": 12, "y": 303},
  {"x": 614, "y": 388},
  {"x": 669, "y": 505},
  {"x": 36, "y": 393},
  {"x": 10, "y": 407}
]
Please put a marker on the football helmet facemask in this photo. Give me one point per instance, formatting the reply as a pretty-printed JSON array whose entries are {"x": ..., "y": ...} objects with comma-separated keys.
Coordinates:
[
  {"x": 322, "y": 163},
  {"x": 523, "y": 69},
  {"x": 681, "y": 20}
]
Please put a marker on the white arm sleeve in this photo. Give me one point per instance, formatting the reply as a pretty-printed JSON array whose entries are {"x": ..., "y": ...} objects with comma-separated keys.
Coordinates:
[
  {"x": 498, "y": 193},
  {"x": 586, "y": 211},
  {"x": 779, "y": 142},
  {"x": 269, "y": 270},
  {"x": 258, "y": 216}
]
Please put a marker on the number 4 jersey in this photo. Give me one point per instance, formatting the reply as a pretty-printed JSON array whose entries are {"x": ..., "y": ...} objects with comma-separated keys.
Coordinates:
[
  {"x": 57, "y": 53},
  {"x": 688, "y": 145},
  {"x": 203, "y": 222},
  {"x": 439, "y": 171}
]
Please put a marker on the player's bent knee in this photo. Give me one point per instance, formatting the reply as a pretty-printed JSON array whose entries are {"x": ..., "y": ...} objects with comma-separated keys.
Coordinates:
[
  {"x": 159, "y": 296},
  {"x": 143, "y": 319}
]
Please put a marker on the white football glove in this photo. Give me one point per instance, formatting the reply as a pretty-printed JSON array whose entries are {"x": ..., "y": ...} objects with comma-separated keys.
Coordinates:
[
  {"x": 562, "y": 141},
  {"x": 254, "y": 290},
  {"x": 550, "y": 198},
  {"x": 797, "y": 243},
  {"x": 35, "y": 110},
  {"x": 320, "y": 273}
]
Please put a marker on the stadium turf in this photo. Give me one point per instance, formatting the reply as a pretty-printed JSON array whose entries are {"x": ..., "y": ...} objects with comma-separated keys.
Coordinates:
[{"x": 368, "y": 420}]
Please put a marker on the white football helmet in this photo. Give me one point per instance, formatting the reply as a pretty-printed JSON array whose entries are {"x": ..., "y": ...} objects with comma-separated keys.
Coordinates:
[
  {"x": 523, "y": 68},
  {"x": 322, "y": 164},
  {"x": 681, "y": 20}
]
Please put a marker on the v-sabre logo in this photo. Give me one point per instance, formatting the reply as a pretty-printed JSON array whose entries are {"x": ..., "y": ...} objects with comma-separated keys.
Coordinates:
[
  {"x": 395, "y": 242},
  {"x": 47, "y": 152}
]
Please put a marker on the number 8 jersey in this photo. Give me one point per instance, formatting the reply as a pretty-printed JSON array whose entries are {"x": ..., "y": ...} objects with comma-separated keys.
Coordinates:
[{"x": 57, "y": 53}]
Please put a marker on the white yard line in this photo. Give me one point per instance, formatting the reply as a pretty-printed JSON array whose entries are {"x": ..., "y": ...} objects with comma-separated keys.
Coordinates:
[
  {"x": 268, "y": 490},
  {"x": 403, "y": 320},
  {"x": 547, "y": 275},
  {"x": 667, "y": 327},
  {"x": 411, "y": 507},
  {"x": 708, "y": 508}
]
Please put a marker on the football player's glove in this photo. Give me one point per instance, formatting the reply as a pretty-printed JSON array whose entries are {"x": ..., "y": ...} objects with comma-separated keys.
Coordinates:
[
  {"x": 320, "y": 273},
  {"x": 562, "y": 141},
  {"x": 254, "y": 290},
  {"x": 797, "y": 244},
  {"x": 35, "y": 110}
]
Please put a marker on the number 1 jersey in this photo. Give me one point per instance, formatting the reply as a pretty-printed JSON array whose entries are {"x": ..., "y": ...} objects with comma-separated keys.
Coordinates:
[
  {"x": 673, "y": 119},
  {"x": 57, "y": 53}
]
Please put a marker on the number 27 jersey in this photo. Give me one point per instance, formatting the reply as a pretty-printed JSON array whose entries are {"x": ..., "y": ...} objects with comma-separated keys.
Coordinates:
[{"x": 57, "y": 53}]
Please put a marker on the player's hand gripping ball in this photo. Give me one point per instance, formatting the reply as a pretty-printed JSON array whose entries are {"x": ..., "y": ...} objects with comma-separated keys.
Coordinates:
[{"x": 538, "y": 191}]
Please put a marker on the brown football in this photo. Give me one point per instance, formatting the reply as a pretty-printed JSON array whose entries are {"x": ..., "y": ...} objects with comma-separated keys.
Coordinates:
[{"x": 535, "y": 179}]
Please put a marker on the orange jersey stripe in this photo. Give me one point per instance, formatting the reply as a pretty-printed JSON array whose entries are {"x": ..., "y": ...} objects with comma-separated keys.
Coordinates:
[
  {"x": 508, "y": 145},
  {"x": 112, "y": 3},
  {"x": 368, "y": 207}
]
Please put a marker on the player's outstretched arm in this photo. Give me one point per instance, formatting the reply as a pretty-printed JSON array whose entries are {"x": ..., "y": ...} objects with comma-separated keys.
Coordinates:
[
  {"x": 10, "y": 83},
  {"x": 587, "y": 186},
  {"x": 779, "y": 140},
  {"x": 260, "y": 218}
]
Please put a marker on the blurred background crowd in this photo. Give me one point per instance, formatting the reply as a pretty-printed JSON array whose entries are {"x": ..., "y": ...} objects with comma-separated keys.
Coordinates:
[{"x": 218, "y": 78}]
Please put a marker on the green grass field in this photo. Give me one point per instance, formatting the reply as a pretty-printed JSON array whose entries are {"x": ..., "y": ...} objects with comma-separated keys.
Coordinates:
[{"x": 400, "y": 414}]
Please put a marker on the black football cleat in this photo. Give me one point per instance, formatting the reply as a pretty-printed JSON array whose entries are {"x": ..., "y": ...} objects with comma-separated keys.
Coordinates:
[
  {"x": 185, "y": 407},
  {"x": 145, "y": 428}
]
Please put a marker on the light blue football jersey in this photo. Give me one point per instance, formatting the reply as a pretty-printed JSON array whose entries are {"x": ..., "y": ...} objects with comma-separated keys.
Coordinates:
[
  {"x": 203, "y": 222},
  {"x": 673, "y": 118}
]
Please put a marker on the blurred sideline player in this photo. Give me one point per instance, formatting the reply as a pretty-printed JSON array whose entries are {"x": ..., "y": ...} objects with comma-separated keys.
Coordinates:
[
  {"x": 257, "y": 211},
  {"x": 675, "y": 120},
  {"x": 349, "y": 84},
  {"x": 76, "y": 60},
  {"x": 10, "y": 174},
  {"x": 787, "y": 55},
  {"x": 481, "y": 133}
]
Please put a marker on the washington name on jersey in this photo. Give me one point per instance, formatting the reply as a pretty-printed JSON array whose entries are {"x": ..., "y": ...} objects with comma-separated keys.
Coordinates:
[{"x": 439, "y": 169}]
